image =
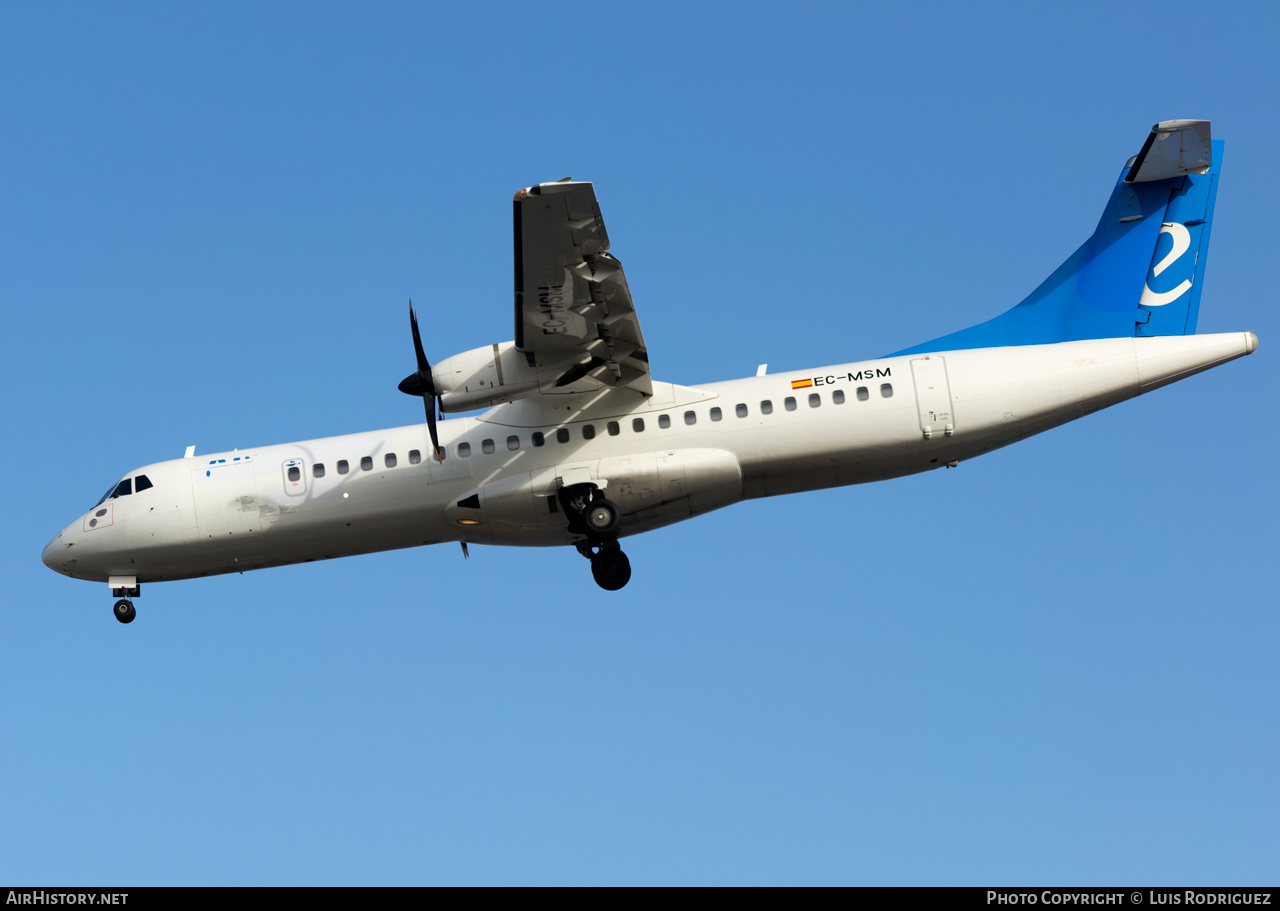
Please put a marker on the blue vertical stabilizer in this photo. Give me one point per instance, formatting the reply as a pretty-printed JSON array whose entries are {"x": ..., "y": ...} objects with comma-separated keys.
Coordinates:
[{"x": 1142, "y": 270}]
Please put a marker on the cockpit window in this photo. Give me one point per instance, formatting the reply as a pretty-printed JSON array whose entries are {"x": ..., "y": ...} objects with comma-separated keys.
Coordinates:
[
  {"x": 141, "y": 483},
  {"x": 124, "y": 488}
]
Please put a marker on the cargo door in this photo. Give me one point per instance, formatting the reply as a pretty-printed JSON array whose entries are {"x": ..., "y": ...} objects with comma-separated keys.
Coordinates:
[
  {"x": 226, "y": 498},
  {"x": 933, "y": 396}
]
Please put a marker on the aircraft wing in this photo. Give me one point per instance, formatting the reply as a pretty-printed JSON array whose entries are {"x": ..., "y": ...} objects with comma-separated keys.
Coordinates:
[{"x": 574, "y": 317}]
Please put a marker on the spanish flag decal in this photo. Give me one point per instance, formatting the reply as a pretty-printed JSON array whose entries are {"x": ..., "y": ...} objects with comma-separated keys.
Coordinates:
[{"x": 801, "y": 384}]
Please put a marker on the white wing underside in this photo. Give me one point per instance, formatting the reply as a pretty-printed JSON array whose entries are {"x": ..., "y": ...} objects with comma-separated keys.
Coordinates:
[{"x": 575, "y": 322}]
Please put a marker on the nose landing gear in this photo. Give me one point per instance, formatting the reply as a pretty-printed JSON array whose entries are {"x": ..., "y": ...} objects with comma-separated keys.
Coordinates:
[
  {"x": 124, "y": 609},
  {"x": 592, "y": 514}
]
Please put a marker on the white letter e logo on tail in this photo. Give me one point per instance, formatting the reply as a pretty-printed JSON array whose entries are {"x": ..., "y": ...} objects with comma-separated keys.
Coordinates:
[{"x": 1181, "y": 243}]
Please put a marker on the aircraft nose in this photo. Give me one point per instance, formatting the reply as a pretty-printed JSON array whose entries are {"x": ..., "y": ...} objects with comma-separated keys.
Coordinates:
[{"x": 52, "y": 554}]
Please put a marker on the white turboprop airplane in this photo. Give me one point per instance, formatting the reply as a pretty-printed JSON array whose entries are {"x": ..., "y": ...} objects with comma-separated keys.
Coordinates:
[{"x": 581, "y": 446}]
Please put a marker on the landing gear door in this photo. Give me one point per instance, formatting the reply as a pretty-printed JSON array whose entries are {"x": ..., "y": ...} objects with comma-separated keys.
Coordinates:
[{"x": 933, "y": 396}]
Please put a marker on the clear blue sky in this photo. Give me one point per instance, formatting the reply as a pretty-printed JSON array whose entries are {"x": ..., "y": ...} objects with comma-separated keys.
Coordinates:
[{"x": 1056, "y": 664}]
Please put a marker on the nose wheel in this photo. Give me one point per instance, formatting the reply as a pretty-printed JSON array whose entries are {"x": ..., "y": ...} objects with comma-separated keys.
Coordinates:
[{"x": 125, "y": 611}]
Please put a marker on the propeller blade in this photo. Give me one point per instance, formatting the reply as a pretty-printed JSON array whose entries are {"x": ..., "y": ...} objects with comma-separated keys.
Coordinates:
[
  {"x": 429, "y": 402},
  {"x": 424, "y": 368},
  {"x": 420, "y": 383}
]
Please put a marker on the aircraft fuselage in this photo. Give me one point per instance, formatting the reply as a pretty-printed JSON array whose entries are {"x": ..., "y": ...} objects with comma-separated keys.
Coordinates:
[{"x": 678, "y": 453}]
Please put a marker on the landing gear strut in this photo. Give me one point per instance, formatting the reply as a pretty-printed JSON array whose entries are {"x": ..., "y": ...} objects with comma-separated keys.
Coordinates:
[{"x": 599, "y": 519}]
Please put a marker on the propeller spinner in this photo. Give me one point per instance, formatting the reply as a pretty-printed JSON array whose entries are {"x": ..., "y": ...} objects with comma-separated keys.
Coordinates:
[{"x": 420, "y": 383}]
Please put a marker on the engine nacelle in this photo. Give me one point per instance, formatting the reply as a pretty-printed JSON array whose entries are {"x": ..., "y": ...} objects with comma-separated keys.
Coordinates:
[{"x": 483, "y": 377}]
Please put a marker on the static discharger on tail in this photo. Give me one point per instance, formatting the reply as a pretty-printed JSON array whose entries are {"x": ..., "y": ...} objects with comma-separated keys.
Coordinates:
[{"x": 572, "y": 442}]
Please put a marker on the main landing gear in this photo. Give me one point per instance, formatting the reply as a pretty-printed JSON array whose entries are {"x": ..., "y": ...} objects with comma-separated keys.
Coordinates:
[
  {"x": 124, "y": 609},
  {"x": 599, "y": 519},
  {"x": 609, "y": 565}
]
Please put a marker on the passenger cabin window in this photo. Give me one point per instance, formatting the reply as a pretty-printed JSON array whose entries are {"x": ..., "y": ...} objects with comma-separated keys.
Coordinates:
[
  {"x": 613, "y": 428},
  {"x": 766, "y": 407},
  {"x": 513, "y": 443},
  {"x": 664, "y": 421},
  {"x": 886, "y": 390},
  {"x": 464, "y": 450},
  {"x": 690, "y": 417},
  {"x": 317, "y": 470},
  {"x": 389, "y": 460},
  {"x": 814, "y": 400},
  {"x": 539, "y": 439},
  {"x": 837, "y": 397},
  {"x": 562, "y": 435},
  {"x": 141, "y": 483},
  {"x": 740, "y": 411},
  {"x": 789, "y": 403},
  {"x": 588, "y": 431},
  {"x": 366, "y": 463},
  {"x": 716, "y": 414},
  {"x": 638, "y": 425},
  {"x": 342, "y": 466},
  {"x": 863, "y": 395},
  {"x": 414, "y": 457},
  {"x": 487, "y": 447},
  {"x": 295, "y": 473}
]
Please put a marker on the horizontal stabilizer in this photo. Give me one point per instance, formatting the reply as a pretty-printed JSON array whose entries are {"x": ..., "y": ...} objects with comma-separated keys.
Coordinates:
[{"x": 1174, "y": 148}]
